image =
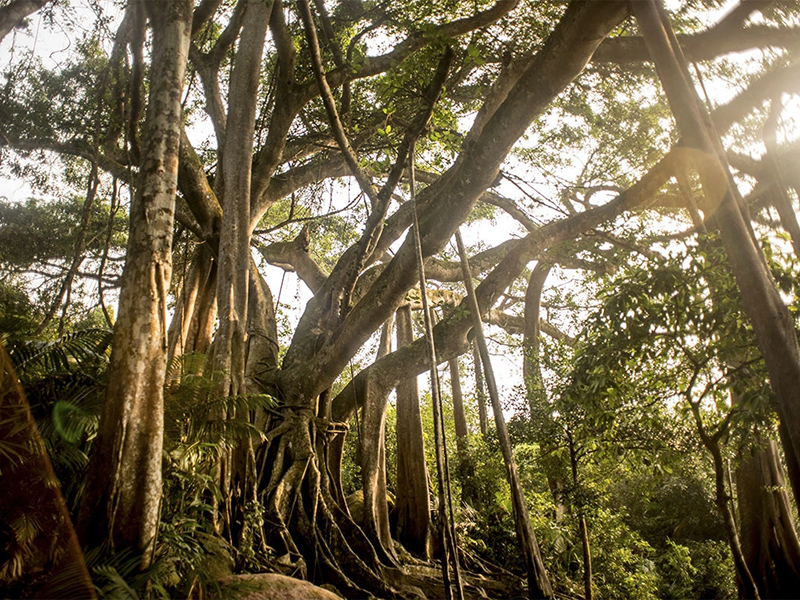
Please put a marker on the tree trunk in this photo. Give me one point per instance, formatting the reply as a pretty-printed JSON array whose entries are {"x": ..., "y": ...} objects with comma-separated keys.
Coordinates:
[
  {"x": 123, "y": 496},
  {"x": 234, "y": 245},
  {"x": 538, "y": 582},
  {"x": 192, "y": 324},
  {"x": 744, "y": 578},
  {"x": 769, "y": 540},
  {"x": 582, "y": 526},
  {"x": 772, "y": 323},
  {"x": 480, "y": 392},
  {"x": 459, "y": 415},
  {"x": 531, "y": 365},
  {"x": 373, "y": 460},
  {"x": 233, "y": 281},
  {"x": 262, "y": 331},
  {"x": 262, "y": 355},
  {"x": 412, "y": 501}
]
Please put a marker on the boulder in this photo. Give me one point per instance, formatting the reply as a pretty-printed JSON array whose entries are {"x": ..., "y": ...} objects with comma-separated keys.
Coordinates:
[{"x": 271, "y": 586}]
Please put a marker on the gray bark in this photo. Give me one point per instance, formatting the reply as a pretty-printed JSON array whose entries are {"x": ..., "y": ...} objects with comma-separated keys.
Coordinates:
[
  {"x": 192, "y": 324},
  {"x": 14, "y": 13},
  {"x": 234, "y": 245}
]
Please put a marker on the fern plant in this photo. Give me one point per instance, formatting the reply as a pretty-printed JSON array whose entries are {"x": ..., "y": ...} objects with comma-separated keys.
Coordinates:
[
  {"x": 65, "y": 383},
  {"x": 200, "y": 426}
]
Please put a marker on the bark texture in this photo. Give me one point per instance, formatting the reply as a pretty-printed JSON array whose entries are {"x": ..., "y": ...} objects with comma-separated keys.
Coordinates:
[
  {"x": 123, "y": 495},
  {"x": 14, "y": 13},
  {"x": 373, "y": 459},
  {"x": 769, "y": 539},
  {"x": 413, "y": 494}
]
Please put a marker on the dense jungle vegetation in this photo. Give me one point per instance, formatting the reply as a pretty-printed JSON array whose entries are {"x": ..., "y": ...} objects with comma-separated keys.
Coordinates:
[{"x": 423, "y": 299}]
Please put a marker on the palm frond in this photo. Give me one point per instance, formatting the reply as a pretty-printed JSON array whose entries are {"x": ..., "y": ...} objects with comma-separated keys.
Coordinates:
[{"x": 78, "y": 349}]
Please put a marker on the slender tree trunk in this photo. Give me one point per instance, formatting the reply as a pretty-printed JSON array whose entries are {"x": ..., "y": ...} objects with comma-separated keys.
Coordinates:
[
  {"x": 582, "y": 526},
  {"x": 480, "y": 391},
  {"x": 123, "y": 496},
  {"x": 769, "y": 540},
  {"x": 538, "y": 581},
  {"x": 412, "y": 501},
  {"x": 532, "y": 371},
  {"x": 772, "y": 323},
  {"x": 77, "y": 256},
  {"x": 747, "y": 585},
  {"x": 531, "y": 365},
  {"x": 459, "y": 415},
  {"x": 192, "y": 324}
]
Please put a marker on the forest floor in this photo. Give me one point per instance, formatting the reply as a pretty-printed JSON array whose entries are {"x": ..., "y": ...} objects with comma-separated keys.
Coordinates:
[{"x": 476, "y": 586}]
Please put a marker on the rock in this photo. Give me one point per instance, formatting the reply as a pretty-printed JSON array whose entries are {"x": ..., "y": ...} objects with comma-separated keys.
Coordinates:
[
  {"x": 271, "y": 586},
  {"x": 355, "y": 504},
  {"x": 218, "y": 559}
]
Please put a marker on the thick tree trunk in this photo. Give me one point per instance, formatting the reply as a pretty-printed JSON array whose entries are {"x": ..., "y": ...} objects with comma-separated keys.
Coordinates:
[
  {"x": 262, "y": 331},
  {"x": 262, "y": 355},
  {"x": 325, "y": 341},
  {"x": 123, "y": 496},
  {"x": 233, "y": 281},
  {"x": 769, "y": 540},
  {"x": 412, "y": 501},
  {"x": 234, "y": 244},
  {"x": 373, "y": 459},
  {"x": 792, "y": 463},
  {"x": 772, "y": 323}
]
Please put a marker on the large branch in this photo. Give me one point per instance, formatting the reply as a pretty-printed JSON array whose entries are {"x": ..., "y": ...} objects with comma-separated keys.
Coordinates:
[
  {"x": 287, "y": 106},
  {"x": 446, "y": 203},
  {"x": 75, "y": 147},
  {"x": 451, "y": 334},
  {"x": 293, "y": 256},
  {"x": 375, "y": 65},
  {"x": 193, "y": 185},
  {"x": 14, "y": 13},
  {"x": 707, "y": 45}
]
